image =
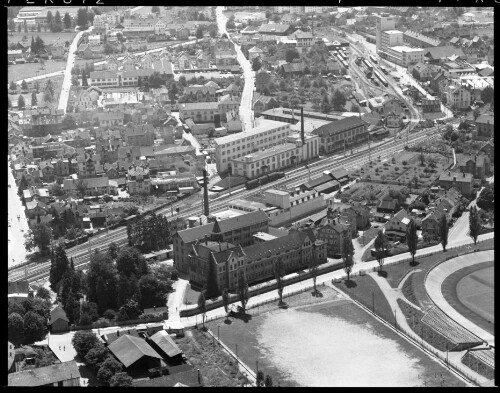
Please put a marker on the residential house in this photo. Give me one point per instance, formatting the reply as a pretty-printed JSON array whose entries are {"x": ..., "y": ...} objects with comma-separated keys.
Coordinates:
[
  {"x": 108, "y": 118},
  {"x": 430, "y": 106},
  {"x": 488, "y": 149},
  {"x": 395, "y": 228},
  {"x": 422, "y": 72},
  {"x": 478, "y": 166},
  {"x": 200, "y": 112},
  {"x": 331, "y": 231},
  {"x": 461, "y": 181},
  {"x": 254, "y": 52},
  {"x": 458, "y": 97},
  {"x": 484, "y": 127},
  {"x": 261, "y": 103},
  {"x": 387, "y": 205},
  {"x": 338, "y": 134},
  {"x": 430, "y": 225},
  {"x": 359, "y": 215},
  {"x": 93, "y": 186},
  {"x": 292, "y": 69},
  {"x": 140, "y": 136},
  {"x": 275, "y": 29},
  {"x": 304, "y": 39},
  {"x": 138, "y": 180}
]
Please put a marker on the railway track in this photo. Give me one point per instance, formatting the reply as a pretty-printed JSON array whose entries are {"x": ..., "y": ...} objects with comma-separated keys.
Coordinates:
[{"x": 295, "y": 177}]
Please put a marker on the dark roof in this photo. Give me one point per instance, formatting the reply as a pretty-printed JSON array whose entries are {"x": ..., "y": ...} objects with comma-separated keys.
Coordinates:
[
  {"x": 440, "y": 52},
  {"x": 386, "y": 204},
  {"x": 45, "y": 375},
  {"x": 230, "y": 224},
  {"x": 21, "y": 286},
  {"x": 166, "y": 343},
  {"x": 293, "y": 240},
  {"x": 293, "y": 67},
  {"x": 339, "y": 173},
  {"x": 318, "y": 181},
  {"x": 58, "y": 313},
  {"x": 337, "y": 126},
  {"x": 111, "y": 337},
  {"x": 327, "y": 185},
  {"x": 129, "y": 349},
  {"x": 189, "y": 378}
]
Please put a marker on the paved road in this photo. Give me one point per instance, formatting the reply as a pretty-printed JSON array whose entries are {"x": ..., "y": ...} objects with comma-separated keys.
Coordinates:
[
  {"x": 246, "y": 113},
  {"x": 63, "y": 97},
  {"x": 17, "y": 252},
  {"x": 38, "y": 77}
]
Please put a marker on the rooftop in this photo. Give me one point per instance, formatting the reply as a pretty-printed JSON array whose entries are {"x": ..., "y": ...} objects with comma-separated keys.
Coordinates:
[
  {"x": 45, "y": 375},
  {"x": 264, "y": 126},
  {"x": 129, "y": 349}
]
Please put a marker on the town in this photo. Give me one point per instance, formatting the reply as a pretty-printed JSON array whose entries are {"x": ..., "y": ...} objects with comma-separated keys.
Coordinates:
[{"x": 194, "y": 189}]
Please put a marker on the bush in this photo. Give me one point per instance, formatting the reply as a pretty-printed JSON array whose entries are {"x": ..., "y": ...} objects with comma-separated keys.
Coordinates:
[
  {"x": 85, "y": 319},
  {"x": 174, "y": 276},
  {"x": 110, "y": 314},
  {"x": 155, "y": 315},
  {"x": 405, "y": 162},
  {"x": 101, "y": 323}
]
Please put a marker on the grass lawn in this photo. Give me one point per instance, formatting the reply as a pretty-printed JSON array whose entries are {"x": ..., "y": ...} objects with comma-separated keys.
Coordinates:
[
  {"x": 47, "y": 37},
  {"x": 396, "y": 271},
  {"x": 367, "y": 235},
  {"x": 300, "y": 346},
  {"x": 19, "y": 72},
  {"x": 216, "y": 366},
  {"x": 399, "y": 249}
]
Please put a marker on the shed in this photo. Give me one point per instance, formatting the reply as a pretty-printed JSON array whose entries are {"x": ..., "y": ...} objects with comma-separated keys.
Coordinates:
[
  {"x": 59, "y": 322},
  {"x": 164, "y": 344},
  {"x": 134, "y": 352}
]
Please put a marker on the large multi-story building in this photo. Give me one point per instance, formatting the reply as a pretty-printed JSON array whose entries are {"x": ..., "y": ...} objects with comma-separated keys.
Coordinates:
[
  {"x": 403, "y": 55},
  {"x": 384, "y": 22},
  {"x": 416, "y": 39},
  {"x": 390, "y": 38},
  {"x": 267, "y": 134},
  {"x": 235, "y": 230},
  {"x": 485, "y": 125},
  {"x": 296, "y": 251},
  {"x": 458, "y": 97},
  {"x": 200, "y": 112},
  {"x": 341, "y": 134}
]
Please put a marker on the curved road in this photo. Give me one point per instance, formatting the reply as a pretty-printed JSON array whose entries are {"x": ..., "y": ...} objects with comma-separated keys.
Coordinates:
[{"x": 246, "y": 113}]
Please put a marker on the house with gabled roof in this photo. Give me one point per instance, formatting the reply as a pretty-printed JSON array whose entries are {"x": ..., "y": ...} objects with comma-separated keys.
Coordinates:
[
  {"x": 135, "y": 354},
  {"x": 395, "y": 228},
  {"x": 55, "y": 375},
  {"x": 59, "y": 321}
]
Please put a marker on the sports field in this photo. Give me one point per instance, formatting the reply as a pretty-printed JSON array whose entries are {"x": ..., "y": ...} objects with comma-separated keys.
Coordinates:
[
  {"x": 470, "y": 291},
  {"x": 475, "y": 291},
  {"x": 330, "y": 343}
]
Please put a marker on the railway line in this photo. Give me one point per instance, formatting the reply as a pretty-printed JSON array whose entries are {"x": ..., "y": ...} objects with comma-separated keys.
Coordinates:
[{"x": 81, "y": 253}]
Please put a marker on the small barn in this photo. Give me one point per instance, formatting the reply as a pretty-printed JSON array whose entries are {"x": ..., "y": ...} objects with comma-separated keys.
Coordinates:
[
  {"x": 59, "y": 322},
  {"x": 165, "y": 345},
  {"x": 135, "y": 354}
]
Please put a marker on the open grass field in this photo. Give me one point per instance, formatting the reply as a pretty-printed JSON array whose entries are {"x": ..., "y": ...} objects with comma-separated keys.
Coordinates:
[
  {"x": 47, "y": 37},
  {"x": 470, "y": 292},
  {"x": 18, "y": 72},
  {"x": 330, "y": 343}
]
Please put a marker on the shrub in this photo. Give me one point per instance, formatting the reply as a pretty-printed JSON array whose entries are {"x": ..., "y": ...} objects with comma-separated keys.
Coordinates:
[
  {"x": 405, "y": 162},
  {"x": 396, "y": 169},
  {"x": 85, "y": 319},
  {"x": 101, "y": 323},
  {"x": 110, "y": 314}
]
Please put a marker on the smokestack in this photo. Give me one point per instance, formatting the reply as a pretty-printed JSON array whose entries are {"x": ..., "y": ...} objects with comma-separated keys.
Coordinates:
[
  {"x": 205, "y": 192},
  {"x": 302, "y": 125}
]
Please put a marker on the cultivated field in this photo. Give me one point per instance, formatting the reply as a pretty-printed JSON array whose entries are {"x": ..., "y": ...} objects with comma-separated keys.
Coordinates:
[{"x": 330, "y": 343}]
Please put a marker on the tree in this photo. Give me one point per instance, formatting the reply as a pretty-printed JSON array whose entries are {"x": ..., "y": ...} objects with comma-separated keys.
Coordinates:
[
  {"x": 108, "y": 369},
  {"x": 57, "y": 27},
  {"x": 347, "y": 252},
  {"x": 421, "y": 157},
  {"x": 13, "y": 86},
  {"x": 50, "y": 18},
  {"x": 67, "y": 21},
  {"x": 84, "y": 80},
  {"x": 15, "y": 329},
  {"x": 43, "y": 293},
  {"x": 155, "y": 10},
  {"x": 259, "y": 380},
  {"x": 84, "y": 341},
  {"x": 412, "y": 239},
  {"x": 24, "y": 85},
  {"x": 130, "y": 261},
  {"x": 230, "y": 23},
  {"x": 202, "y": 306},
  {"x": 34, "y": 100},
  {"x": 243, "y": 292},
  {"x": 225, "y": 300},
  {"x": 39, "y": 44},
  {"x": 474, "y": 224},
  {"x": 415, "y": 181},
  {"x": 485, "y": 199},
  {"x": 268, "y": 383},
  {"x": 279, "y": 274},
  {"x": 35, "y": 327},
  {"x": 113, "y": 250},
  {"x": 81, "y": 187},
  {"x": 487, "y": 94},
  {"x": 96, "y": 356},
  {"x": 152, "y": 291},
  {"x": 443, "y": 231},
  {"x": 212, "y": 286},
  {"x": 256, "y": 64},
  {"x": 48, "y": 97},
  {"x": 131, "y": 308},
  {"x": 291, "y": 54},
  {"x": 75, "y": 81},
  {"x": 339, "y": 100},
  {"x": 120, "y": 380},
  {"x": 38, "y": 236},
  {"x": 20, "y": 102},
  {"x": 69, "y": 122},
  {"x": 81, "y": 18},
  {"x": 380, "y": 248},
  {"x": 199, "y": 32},
  {"x": 108, "y": 48}
]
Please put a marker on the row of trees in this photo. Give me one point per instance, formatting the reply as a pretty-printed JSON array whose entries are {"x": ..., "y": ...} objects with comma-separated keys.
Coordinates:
[
  {"x": 55, "y": 23},
  {"x": 109, "y": 370}
]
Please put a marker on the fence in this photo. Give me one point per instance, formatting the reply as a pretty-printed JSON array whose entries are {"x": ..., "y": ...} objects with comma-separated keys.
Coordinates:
[{"x": 419, "y": 342}]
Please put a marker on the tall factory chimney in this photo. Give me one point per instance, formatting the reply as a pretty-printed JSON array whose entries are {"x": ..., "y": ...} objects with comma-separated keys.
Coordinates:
[
  {"x": 205, "y": 192},
  {"x": 302, "y": 125}
]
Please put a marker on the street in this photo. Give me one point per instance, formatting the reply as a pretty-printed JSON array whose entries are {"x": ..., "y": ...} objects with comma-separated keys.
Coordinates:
[
  {"x": 17, "y": 252},
  {"x": 246, "y": 114},
  {"x": 63, "y": 97}
]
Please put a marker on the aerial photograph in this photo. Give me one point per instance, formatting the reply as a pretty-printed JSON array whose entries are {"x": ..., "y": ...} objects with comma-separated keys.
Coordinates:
[{"x": 250, "y": 196}]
